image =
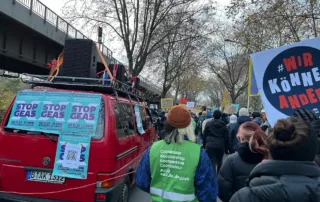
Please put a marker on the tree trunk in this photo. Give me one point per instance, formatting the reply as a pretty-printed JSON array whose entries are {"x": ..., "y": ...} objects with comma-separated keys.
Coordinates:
[
  {"x": 164, "y": 93},
  {"x": 233, "y": 97},
  {"x": 165, "y": 90},
  {"x": 176, "y": 95},
  {"x": 314, "y": 25}
]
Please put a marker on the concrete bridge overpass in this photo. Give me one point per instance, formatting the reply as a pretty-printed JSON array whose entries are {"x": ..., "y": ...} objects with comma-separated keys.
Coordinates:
[{"x": 31, "y": 35}]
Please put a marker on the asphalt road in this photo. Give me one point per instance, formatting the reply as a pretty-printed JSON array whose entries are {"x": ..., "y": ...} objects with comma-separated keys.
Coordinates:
[{"x": 136, "y": 195}]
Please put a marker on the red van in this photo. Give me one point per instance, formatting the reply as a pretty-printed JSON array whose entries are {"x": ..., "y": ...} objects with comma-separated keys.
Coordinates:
[{"x": 115, "y": 152}]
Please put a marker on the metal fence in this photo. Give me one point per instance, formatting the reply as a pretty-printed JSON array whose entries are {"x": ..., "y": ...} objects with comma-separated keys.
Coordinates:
[{"x": 38, "y": 8}]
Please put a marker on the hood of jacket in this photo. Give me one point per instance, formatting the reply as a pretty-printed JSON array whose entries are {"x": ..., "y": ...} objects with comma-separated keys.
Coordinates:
[
  {"x": 242, "y": 119},
  {"x": 233, "y": 118},
  {"x": 258, "y": 120},
  {"x": 215, "y": 134},
  {"x": 247, "y": 155},
  {"x": 278, "y": 180},
  {"x": 288, "y": 168},
  {"x": 218, "y": 123}
]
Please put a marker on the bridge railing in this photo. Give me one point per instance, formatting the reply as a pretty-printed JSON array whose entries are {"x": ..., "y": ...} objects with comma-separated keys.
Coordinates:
[
  {"x": 49, "y": 16},
  {"x": 151, "y": 85}
]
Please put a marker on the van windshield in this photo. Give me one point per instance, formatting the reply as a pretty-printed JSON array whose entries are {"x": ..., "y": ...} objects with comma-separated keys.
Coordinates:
[{"x": 99, "y": 123}]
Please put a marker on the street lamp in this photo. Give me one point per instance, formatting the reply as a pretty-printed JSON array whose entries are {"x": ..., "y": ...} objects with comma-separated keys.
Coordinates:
[
  {"x": 238, "y": 42},
  {"x": 229, "y": 40}
]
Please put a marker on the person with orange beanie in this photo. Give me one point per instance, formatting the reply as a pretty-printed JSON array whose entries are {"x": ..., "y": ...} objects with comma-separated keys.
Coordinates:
[{"x": 176, "y": 168}]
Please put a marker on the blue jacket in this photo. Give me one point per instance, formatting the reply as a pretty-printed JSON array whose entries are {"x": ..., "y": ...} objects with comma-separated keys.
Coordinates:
[
  {"x": 205, "y": 181},
  {"x": 233, "y": 141}
]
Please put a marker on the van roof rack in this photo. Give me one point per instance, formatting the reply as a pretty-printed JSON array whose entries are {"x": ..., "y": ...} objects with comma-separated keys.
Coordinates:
[{"x": 107, "y": 86}]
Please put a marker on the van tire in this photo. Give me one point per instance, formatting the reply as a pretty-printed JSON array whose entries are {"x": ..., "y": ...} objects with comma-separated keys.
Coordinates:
[{"x": 125, "y": 192}]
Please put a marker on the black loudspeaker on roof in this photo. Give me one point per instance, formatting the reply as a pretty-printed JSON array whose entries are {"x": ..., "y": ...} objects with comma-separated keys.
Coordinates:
[{"x": 79, "y": 58}]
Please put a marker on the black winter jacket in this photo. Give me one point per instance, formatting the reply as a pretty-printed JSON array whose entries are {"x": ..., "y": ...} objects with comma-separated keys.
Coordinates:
[
  {"x": 277, "y": 181},
  {"x": 216, "y": 135},
  {"x": 235, "y": 170},
  {"x": 231, "y": 127},
  {"x": 233, "y": 141}
]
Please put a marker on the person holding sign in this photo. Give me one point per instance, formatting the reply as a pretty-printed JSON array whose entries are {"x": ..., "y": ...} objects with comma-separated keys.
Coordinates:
[
  {"x": 313, "y": 120},
  {"x": 175, "y": 169},
  {"x": 291, "y": 175}
]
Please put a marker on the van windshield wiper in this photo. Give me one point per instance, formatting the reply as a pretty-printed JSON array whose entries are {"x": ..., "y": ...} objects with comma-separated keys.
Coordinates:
[
  {"x": 49, "y": 136},
  {"x": 35, "y": 133}
]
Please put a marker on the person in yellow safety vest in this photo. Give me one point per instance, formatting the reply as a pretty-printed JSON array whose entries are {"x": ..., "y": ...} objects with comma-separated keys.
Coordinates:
[{"x": 175, "y": 169}]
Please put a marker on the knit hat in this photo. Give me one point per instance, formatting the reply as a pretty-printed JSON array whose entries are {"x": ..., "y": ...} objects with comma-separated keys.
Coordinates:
[
  {"x": 204, "y": 113},
  {"x": 179, "y": 117},
  {"x": 209, "y": 115},
  {"x": 304, "y": 149},
  {"x": 233, "y": 118},
  {"x": 243, "y": 112}
]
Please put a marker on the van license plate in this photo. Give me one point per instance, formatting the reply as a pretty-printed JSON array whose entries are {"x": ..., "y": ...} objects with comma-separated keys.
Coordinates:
[{"x": 44, "y": 177}]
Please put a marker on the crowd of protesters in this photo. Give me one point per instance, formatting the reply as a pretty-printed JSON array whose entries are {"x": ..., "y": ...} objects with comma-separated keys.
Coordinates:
[{"x": 264, "y": 163}]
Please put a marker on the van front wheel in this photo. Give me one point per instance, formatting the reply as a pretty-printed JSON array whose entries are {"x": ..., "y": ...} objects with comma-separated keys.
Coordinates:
[{"x": 125, "y": 192}]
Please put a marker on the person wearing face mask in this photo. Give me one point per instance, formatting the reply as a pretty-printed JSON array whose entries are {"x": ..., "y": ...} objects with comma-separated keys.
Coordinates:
[{"x": 237, "y": 167}]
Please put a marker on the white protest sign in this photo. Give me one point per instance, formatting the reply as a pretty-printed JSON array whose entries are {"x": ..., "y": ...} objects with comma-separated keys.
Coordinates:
[
  {"x": 190, "y": 104},
  {"x": 138, "y": 119},
  {"x": 288, "y": 78}
]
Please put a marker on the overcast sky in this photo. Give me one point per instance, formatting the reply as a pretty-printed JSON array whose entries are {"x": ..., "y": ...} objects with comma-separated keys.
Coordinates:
[{"x": 56, "y": 5}]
